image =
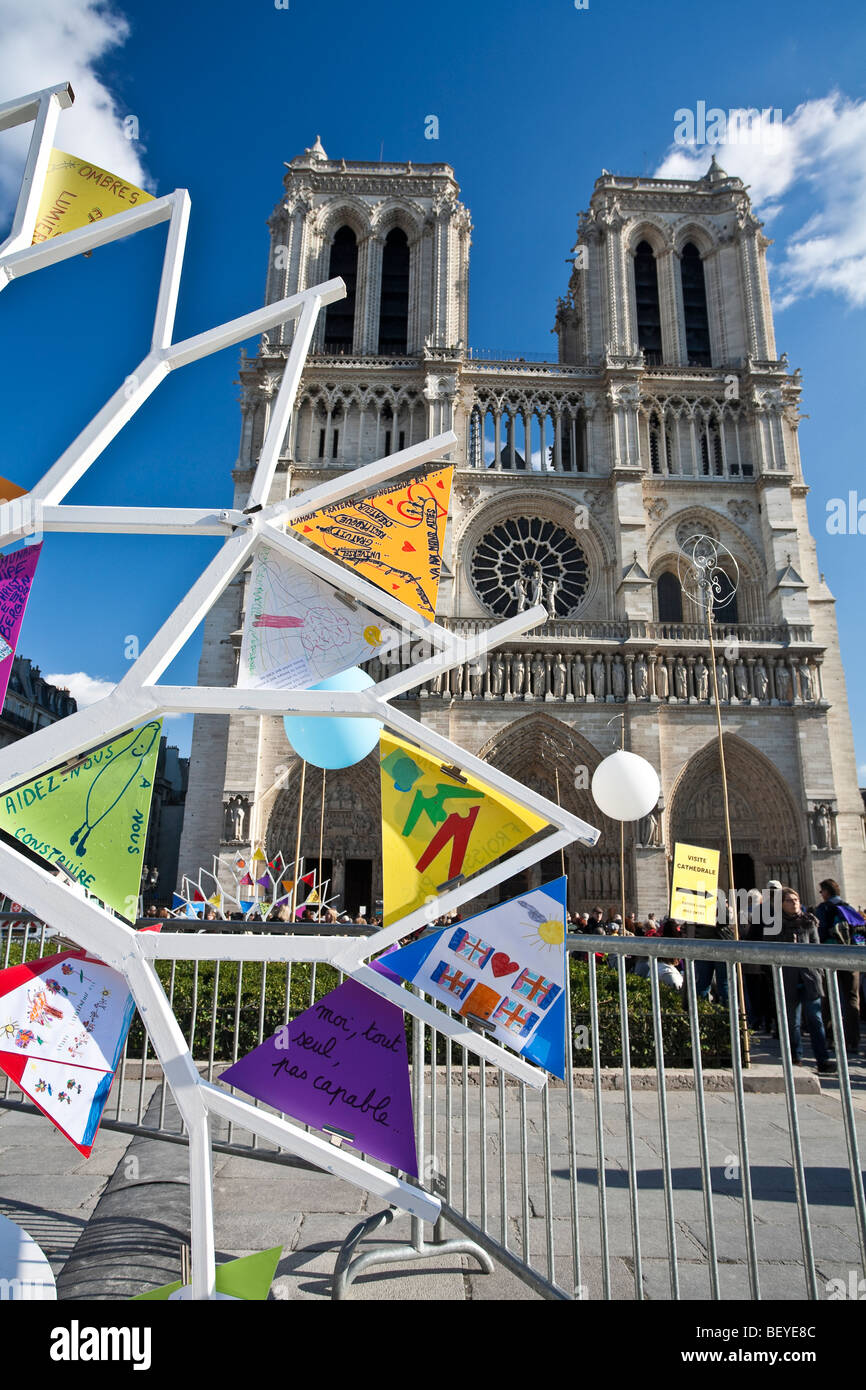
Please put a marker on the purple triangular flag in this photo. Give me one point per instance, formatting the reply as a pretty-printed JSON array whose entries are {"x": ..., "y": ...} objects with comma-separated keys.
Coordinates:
[
  {"x": 342, "y": 1065},
  {"x": 16, "y": 578}
]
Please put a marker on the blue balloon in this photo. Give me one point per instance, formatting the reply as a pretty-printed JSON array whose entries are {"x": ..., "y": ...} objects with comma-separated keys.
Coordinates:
[{"x": 334, "y": 742}]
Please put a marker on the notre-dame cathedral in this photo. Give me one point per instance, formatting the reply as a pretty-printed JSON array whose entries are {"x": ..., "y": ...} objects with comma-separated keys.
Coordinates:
[{"x": 668, "y": 413}]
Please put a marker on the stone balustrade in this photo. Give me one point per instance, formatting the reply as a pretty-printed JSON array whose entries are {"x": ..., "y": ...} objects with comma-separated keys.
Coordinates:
[{"x": 607, "y": 677}]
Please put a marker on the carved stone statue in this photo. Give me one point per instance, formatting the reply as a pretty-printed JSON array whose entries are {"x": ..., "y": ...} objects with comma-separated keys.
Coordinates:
[
  {"x": 535, "y": 586},
  {"x": 497, "y": 675},
  {"x": 649, "y": 830},
  {"x": 762, "y": 680},
  {"x": 598, "y": 681},
  {"x": 476, "y": 679},
  {"x": 641, "y": 678},
  {"x": 681, "y": 679},
  {"x": 578, "y": 678},
  {"x": 722, "y": 680},
  {"x": 807, "y": 689},
  {"x": 235, "y": 816},
  {"x": 518, "y": 592},
  {"x": 550, "y": 598},
  {"x": 741, "y": 681},
  {"x": 820, "y": 828},
  {"x": 457, "y": 681},
  {"x": 617, "y": 679},
  {"x": 783, "y": 683},
  {"x": 560, "y": 677},
  {"x": 662, "y": 680},
  {"x": 538, "y": 676},
  {"x": 702, "y": 677},
  {"x": 517, "y": 674}
]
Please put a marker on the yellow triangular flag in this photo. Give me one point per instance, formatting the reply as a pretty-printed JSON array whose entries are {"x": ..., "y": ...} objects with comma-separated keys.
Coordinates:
[
  {"x": 437, "y": 825},
  {"x": 394, "y": 539},
  {"x": 258, "y": 855},
  {"x": 76, "y": 192},
  {"x": 313, "y": 898},
  {"x": 216, "y": 900}
]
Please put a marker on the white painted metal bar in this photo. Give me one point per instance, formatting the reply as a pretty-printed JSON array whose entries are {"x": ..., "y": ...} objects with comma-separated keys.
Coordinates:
[
  {"x": 75, "y": 243},
  {"x": 234, "y": 946},
  {"x": 324, "y": 1155},
  {"x": 458, "y": 650},
  {"x": 88, "y": 728},
  {"x": 359, "y": 480},
  {"x": 248, "y": 325},
  {"x": 172, "y": 266},
  {"x": 285, "y": 402},
  {"x": 182, "y": 623},
  {"x": 416, "y": 1005},
  {"x": 43, "y": 109},
  {"x": 140, "y": 521}
]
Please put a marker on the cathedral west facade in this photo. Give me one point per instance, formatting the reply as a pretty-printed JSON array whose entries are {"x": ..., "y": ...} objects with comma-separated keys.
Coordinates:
[{"x": 669, "y": 413}]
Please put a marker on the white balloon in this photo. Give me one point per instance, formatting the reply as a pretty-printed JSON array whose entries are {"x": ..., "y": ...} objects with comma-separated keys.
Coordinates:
[{"x": 625, "y": 787}]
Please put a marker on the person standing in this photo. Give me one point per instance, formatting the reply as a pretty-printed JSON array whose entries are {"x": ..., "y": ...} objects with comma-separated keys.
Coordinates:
[
  {"x": 835, "y": 919},
  {"x": 803, "y": 986}
]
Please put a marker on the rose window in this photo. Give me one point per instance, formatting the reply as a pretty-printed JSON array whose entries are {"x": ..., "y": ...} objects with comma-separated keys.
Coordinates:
[{"x": 526, "y": 560}]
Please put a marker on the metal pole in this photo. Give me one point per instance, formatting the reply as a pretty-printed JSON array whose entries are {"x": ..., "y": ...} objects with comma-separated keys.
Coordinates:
[
  {"x": 321, "y": 837},
  {"x": 298, "y": 839},
  {"x": 559, "y": 803},
  {"x": 732, "y": 894}
]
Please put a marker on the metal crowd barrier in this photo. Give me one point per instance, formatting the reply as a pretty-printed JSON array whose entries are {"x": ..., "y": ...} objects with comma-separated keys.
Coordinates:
[{"x": 515, "y": 1167}]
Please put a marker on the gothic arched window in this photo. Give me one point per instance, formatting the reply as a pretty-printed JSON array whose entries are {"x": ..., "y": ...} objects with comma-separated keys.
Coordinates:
[
  {"x": 340, "y": 317},
  {"x": 697, "y": 323},
  {"x": 670, "y": 598},
  {"x": 725, "y": 600},
  {"x": 646, "y": 296},
  {"x": 394, "y": 302},
  {"x": 655, "y": 444}
]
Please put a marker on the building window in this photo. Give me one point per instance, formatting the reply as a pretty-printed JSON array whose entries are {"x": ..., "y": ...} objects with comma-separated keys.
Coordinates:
[
  {"x": 321, "y": 444},
  {"x": 340, "y": 317},
  {"x": 670, "y": 598},
  {"x": 394, "y": 303},
  {"x": 655, "y": 444},
  {"x": 697, "y": 323},
  {"x": 526, "y": 560},
  {"x": 335, "y": 447},
  {"x": 646, "y": 295},
  {"x": 725, "y": 600}
]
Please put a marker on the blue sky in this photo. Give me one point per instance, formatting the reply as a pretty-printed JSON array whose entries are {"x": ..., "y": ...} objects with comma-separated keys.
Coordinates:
[{"x": 532, "y": 101}]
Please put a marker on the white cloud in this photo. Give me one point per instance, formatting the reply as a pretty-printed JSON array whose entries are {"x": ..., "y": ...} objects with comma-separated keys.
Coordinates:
[
  {"x": 85, "y": 689},
  {"x": 820, "y": 151},
  {"x": 43, "y": 43}
]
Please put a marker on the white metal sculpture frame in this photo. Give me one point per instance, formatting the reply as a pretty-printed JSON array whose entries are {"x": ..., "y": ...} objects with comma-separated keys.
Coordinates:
[{"x": 138, "y": 697}]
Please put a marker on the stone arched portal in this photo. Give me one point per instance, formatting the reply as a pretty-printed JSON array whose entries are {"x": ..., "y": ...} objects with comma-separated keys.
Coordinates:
[
  {"x": 352, "y": 838},
  {"x": 531, "y": 750},
  {"x": 766, "y": 826}
]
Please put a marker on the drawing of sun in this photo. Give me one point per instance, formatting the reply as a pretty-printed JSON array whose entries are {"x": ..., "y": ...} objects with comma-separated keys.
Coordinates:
[
  {"x": 546, "y": 935},
  {"x": 372, "y": 635}
]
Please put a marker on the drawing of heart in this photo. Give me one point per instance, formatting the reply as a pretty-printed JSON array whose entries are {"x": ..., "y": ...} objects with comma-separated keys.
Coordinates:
[
  {"x": 501, "y": 965},
  {"x": 407, "y": 546}
]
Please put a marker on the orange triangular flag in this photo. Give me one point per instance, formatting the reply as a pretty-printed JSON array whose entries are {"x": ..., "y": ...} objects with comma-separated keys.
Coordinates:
[{"x": 394, "y": 538}]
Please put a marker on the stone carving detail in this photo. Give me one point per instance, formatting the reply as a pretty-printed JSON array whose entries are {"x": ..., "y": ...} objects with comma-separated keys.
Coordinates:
[
  {"x": 557, "y": 674},
  {"x": 822, "y": 820},
  {"x": 235, "y": 819},
  {"x": 649, "y": 832}
]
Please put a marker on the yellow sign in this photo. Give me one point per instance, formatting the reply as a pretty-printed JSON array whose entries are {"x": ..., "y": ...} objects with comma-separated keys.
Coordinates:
[
  {"x": 76, "y": 193},
  {"x": 394, "y": 539},
  {"x": 439, "y": 824},
  {"x": 695, "y": 880}
]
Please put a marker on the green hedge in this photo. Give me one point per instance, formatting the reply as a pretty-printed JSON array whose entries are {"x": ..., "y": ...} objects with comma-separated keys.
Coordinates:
[{"x": 713, "y": 1022}]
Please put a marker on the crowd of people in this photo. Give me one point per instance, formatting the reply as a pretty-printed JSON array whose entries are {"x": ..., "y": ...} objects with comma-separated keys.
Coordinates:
[{"x": 805, "y": 988}]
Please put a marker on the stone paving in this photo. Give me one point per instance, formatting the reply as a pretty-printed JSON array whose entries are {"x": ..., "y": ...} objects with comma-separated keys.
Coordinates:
[{"x": 112, "y": 1225}]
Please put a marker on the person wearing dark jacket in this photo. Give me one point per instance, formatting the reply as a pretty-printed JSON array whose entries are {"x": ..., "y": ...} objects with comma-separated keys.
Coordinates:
[
  {"x": 834, "y": 927},
  {"x": 803, "y": 986}
]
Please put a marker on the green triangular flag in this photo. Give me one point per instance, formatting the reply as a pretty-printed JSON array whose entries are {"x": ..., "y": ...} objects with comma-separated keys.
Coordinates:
[
  {"x": 249, "y": 1278},
  {"x": 90, "y": 816}
]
